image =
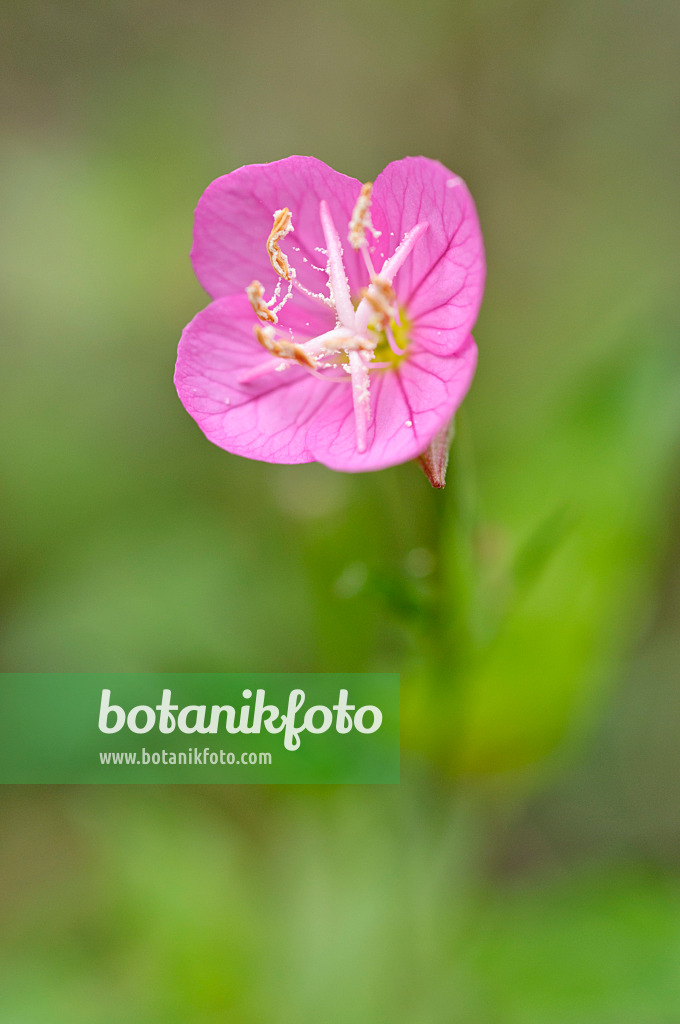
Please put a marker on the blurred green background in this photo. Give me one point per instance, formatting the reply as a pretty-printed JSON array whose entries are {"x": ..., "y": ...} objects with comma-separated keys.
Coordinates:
[{"x": 527, "y": 870}]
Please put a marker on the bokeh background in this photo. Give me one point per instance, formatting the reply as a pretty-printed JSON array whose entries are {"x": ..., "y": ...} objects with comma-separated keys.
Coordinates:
[{"x": 527, "y": 870}]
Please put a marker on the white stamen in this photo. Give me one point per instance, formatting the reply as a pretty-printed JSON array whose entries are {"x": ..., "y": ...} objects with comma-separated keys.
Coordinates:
[
  {"x": 331, "y": 341},
  {"x": 403, "y": 250},
  {"x": 358, "y": 370}
]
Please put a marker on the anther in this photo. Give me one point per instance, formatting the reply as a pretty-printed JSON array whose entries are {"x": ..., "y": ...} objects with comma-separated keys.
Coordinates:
[
  {"x": 255, "y": 293},
  {"x": 282, "y": 349},
  {"x": 361, "y": 218},
  {"x": 381, "y": 298},
  {"x": 265, "y": 336},
  {"x": 283, "y": 225},
  {"x": 358, "y": 345}
]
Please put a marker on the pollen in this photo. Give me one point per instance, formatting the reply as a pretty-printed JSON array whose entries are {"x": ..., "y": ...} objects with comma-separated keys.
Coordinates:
[
  {"x": 281, "y": 348},
  {"x": 381, "y": 298},
  {"x": 255, "y": 293},
  {"x": 265, "y": 336},
  {"x": 361, "y": 218},
  {"x": 283, "y": 225},
  {"x": 354, "y": 345}
]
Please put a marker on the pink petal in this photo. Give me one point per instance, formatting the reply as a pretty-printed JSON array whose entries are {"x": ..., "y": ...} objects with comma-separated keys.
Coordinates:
[
  {"x": 235, "y": 215},
  {"x": 267, "y": 419},
  {"x": 441, "y": 283},
  {"x": 408, "y": 407}
]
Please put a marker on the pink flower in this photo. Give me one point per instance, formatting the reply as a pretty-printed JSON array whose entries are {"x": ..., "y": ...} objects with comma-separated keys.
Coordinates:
[{"x": 340, "y": 326}]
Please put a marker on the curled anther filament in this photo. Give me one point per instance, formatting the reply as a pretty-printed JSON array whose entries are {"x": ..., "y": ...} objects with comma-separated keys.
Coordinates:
[
  {"x": 283, "y": 225},
  {"x": 381, "y": 298},
  {"x": 361, "y": 218},
  {"x": 281, "y": 348},
  {"x": 255, "y": 293}
]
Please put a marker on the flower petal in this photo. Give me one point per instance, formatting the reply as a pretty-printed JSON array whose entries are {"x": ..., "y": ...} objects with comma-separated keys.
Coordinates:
[
  {"x": 408, "y": 407},
  {"x": 266, "y": 419},
  {"x": 235, "y": 214},
  {"x": 441, "y": 283}
]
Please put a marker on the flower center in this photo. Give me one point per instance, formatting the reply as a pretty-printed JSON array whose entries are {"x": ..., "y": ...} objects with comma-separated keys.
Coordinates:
[
  {"x": 391, "y": 351},
  {"x": 374, "y": 335}
]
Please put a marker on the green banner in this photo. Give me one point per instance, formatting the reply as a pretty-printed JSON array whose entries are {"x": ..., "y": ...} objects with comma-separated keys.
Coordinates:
[{"x": 199, "y": 728}]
